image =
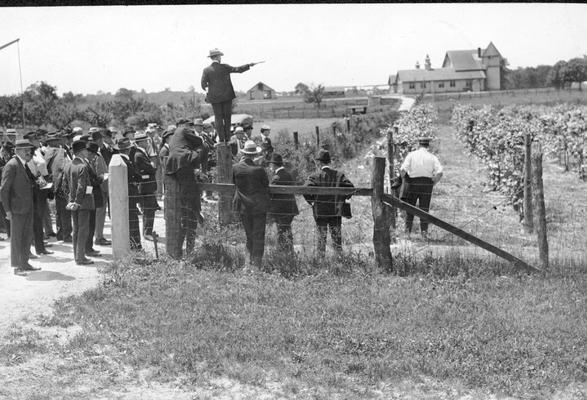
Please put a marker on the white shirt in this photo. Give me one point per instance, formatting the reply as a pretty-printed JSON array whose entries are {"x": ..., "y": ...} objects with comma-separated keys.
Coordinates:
[{"x": 421, "y": 163}]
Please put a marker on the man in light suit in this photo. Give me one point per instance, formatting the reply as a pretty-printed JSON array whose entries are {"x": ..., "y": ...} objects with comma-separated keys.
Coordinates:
[
  {"x": 216, "y": 79},
  {"x": 16, "y": 192},
  {"x": 81, "y": 200}
]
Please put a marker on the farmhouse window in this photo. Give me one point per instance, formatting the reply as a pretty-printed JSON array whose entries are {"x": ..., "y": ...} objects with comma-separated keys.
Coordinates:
[
  {"x": 452, "y": 83},
  {"x": 423, "y": 85},
  {"x": 441, "y": 85},
  {"x": 412, "y": 85},
  {"x": 469, "y": 83}
]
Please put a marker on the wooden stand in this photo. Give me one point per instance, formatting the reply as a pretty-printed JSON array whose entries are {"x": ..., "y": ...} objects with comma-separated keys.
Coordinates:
[
  {"x": 381, "y": 218},
  {"x": 224, "y": 168}
]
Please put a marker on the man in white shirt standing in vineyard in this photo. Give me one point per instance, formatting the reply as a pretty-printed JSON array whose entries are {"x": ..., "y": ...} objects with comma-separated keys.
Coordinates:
[{"x": 421, "y": 171}]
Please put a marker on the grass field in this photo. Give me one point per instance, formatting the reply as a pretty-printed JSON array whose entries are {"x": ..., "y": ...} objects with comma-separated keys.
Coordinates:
[{"x": 452, "y": 326}]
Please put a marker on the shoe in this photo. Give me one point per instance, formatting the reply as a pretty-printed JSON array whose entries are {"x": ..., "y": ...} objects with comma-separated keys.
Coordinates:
[
  {"x": 148, "y": 237},
  {"x": 32, "y": 256},
  {"x": 44, "y": 253},
  {"x": 29, "y": 267},
  {"x": 20, "y": 272},
  {"x": 84, "y": 262},
  {"x": 93, "y": 253},
  {"x": 48, "y": 245},
  {"x": 68, "y": 239},
  {"x": 102, "y": 242}
]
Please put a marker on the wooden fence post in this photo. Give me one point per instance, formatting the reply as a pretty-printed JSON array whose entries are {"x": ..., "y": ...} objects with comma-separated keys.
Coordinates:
[
  {"x": 296, "y": 140},
  {"x": 224, "y": 169},
  {"x": 528, "y": 218},
  {"x": 390, "y": 159},
  {"x": 381, "y": 218},
  {"x": 118, "y": 196},
  {"x": 539, "y": 207},
  {"x": 348, "y": 124},
  {"x": 317, "y": 137}
]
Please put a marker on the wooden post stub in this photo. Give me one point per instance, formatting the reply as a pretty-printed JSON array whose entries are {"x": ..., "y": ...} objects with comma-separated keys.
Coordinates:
[
  {"x": 118, "y": 196},
  {"x": 296, "y": 140},
  {"x": 539, "y": 208},
  {"x": 390, "y": 160},
  {"x": 381, "y": 217},
  {"x": 528, "y": 218},
  {"x": 317, "y": 137},
  {"x": 224, "y": 169}
]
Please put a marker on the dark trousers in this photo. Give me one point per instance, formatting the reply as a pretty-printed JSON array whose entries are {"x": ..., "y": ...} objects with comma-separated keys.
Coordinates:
[
  {"x": 323, "y": 224},
  {"x": 81, "y": 230},
  {"x": 91, "y": 228},
  {"x": 63, "y": 218},
  {"x": 254, "y": 225},
  {"x": 4, "y": 222},
  {"x": 149, "y": 205},
  {"x": 21, "y": 235},
  {"x": 420, "y": 191},
  {"x": 222, "y": 119},
  {"x": 38, "y": 226},
  {"x": 133, "y": 226},
  {"x": 181, "y": 218},
  {"x": 284, "y": 233}
]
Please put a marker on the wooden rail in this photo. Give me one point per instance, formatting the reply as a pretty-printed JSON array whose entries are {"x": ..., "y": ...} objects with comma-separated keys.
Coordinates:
[
  {"x": 394, "y": 201},
  {"x": 277, "y": 189}
]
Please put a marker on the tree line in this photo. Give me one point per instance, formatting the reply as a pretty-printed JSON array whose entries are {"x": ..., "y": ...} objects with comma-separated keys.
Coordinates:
[{"x": 560, "y": 75}]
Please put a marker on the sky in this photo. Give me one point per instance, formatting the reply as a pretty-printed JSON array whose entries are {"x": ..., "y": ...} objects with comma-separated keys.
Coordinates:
[{"x": 87, "y": 49}]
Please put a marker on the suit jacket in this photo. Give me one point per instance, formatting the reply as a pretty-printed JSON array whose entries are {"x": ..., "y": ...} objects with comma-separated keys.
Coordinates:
[
  {"x": 59, "y": 161},
  {"x": 283, "y": 204},
  {"x": 97, "y": 180},
  {"x": 252, "y": 188},
  {"x": 142, "y": 162},
  {"x": 16, "y": 190},
  {"x": 107, "y": 152},
  {"x": 327, "y": 205},
  {"x": 186, "y": 152},
  {"x": 133, "y": 179},
  {"x": 78, "y": 180},
  {"x": 216, "y": 78}
]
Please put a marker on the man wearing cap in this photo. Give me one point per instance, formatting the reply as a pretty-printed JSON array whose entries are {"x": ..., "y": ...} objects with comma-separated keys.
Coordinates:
[
  {"x": 148, "y": 184},
  {"x": 124, "y": 148},
  {"x": 81, "y": 200},
  {"x": 216, "y": 80},
  {"x": 283, "y": 207},
  {"x": 327, "y": 209},
  {"x": 264, "y": 136},
  {"x": 251, "y": 200},
  {"x": 182, "y": 208},
  {"x": 16, "y": 193},
  {"x": 421, "y": 170}
]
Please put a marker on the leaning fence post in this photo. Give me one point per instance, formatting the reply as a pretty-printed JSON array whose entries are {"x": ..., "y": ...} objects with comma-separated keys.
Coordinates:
[
  {"x": 317, "y": 137},
  {"x": 118, "y": 196},
  {"x": 528, "y": 218},
  {"x": 539, "y": 207},
  {"x": 381, "y": 217},
  {"x": 224, "y": 169}
]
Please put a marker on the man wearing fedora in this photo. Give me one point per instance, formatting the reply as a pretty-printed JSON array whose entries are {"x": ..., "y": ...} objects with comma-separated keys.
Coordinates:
[
  {"x": 187, "y": 152},
  {"x": 148, "y": 184},
  {"x": 283, "y": 207},
  {"x": 97, "y": 170},
  {"x": 62, "y": 158},
  {"x": 421, "y": 170},
  {"x": 81, "y": 200},
  {"x": 251, "y": 200},
  {"x": 327, "y": 209},
  {"x": 133, "y": 178},
  {"x": 216, "y": 80},
  {"x": 16, "y": 192}
]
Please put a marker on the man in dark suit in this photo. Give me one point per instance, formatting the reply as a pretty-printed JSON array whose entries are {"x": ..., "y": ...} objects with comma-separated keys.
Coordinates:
[
  {"x": 81, "y": 200},
  {"x": 327, "y": 209},
  {"x": 283, "y": 207},
  {"x": 124, "y": 148},
  {"x": 187, "y": 152},
  {"x": 148, "y": 184},
  {"x": 16, "y": 192},
  {"x": 251, "y": 200},
  {"x": 61, "y": 159},
  {"x": 101, "y": 161},
  {"x": 97, "y": 170},
  {"x": 216, "y": 79},
  {"x": 6, "y": 153}
]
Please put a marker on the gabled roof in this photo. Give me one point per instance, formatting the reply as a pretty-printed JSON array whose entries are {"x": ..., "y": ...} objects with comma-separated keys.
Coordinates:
[
  {"x": 491, "y": 50},
  {"x": 442, "y": 74},
  {"x": 265, "y": 87},
  {"x": 462, "y": 60}
]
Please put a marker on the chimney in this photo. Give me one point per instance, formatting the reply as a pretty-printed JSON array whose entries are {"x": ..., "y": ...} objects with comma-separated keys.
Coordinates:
[
  {"x": 427, "y": 64},
  {"x": 479, "y": 52},
  {"x": 417, "y": 65}
]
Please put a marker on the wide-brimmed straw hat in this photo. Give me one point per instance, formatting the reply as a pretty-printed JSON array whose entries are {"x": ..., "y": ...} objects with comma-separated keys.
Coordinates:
[
  {"x": 215, "y": 52},
  {"x": 251, "y": 148}
]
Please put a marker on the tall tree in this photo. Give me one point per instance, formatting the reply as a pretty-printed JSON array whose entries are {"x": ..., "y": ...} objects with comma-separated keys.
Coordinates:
[
  {"x": 576, "y": 71},
  {"x": 314, "y": 95},
  {"x": 556, "y": 76}
]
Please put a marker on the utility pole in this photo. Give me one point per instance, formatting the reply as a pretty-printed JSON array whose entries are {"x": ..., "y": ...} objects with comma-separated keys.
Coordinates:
[{"x": 17, "y": 41}]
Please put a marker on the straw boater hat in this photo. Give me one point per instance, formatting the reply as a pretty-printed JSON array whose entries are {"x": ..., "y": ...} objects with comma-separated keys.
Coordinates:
[
  {"x": 141, "y": 136},
  {"x": 123, "y": 144},
  {"x": 251, "y": 148},
  {"x": 23, "y": 144},
  {"x": 198, "y": 122},
  {"x": 215, "y": 52},
  {"x": 424, "y": 139}
]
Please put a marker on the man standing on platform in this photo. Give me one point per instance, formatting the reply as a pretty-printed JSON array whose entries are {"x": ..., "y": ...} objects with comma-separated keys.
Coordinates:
[
  {"x": 216, "y": 79},
  {"x": 182, "y": 207},
  {"x": 421, "y": 170},
  {"x": 16, "y": 193},
  {"x": 148, "y": 184},
  {"x": 251, "y": 201}
]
